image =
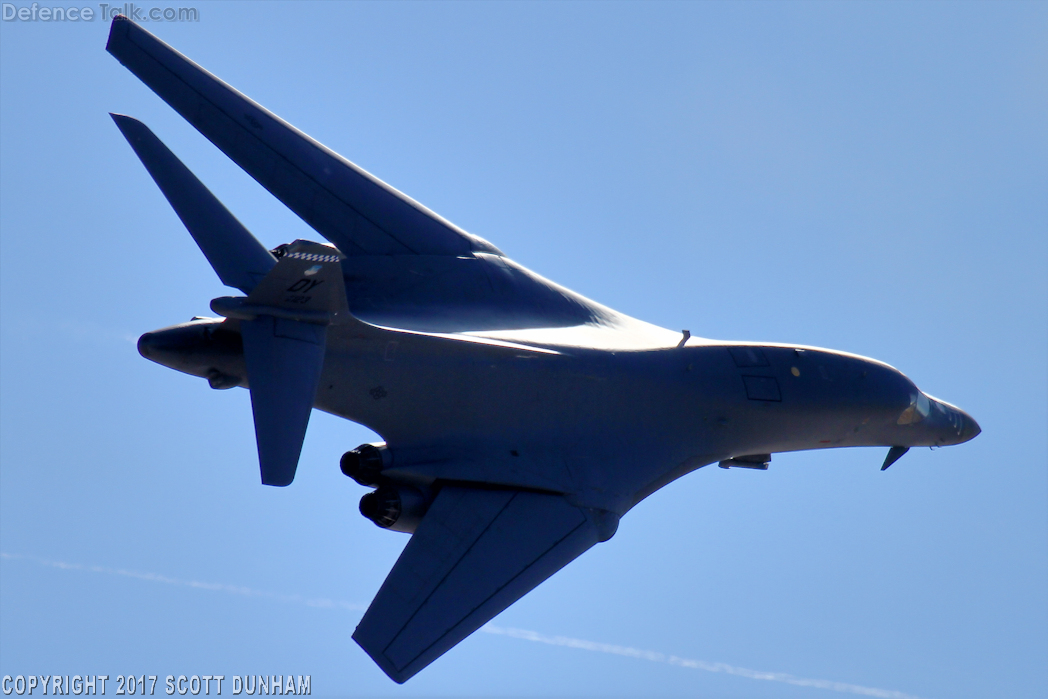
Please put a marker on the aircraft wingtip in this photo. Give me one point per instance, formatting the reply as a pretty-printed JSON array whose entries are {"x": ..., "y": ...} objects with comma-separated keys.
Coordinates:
[
  {"x": 132, "y": 128},
  {"x": 116, "y": 28},
  {"x": 398, "y": 676}
]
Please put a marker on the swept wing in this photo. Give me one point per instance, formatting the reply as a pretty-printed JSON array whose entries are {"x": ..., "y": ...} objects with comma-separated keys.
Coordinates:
[
  {"x": 476, "y": 552},
  {"x": 356, "y": 211}
]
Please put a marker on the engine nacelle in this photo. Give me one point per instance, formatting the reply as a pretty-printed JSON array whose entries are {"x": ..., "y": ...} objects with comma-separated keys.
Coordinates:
[
  {"x": 365, "y": 463},
  {"x": 395, "y": 506}
]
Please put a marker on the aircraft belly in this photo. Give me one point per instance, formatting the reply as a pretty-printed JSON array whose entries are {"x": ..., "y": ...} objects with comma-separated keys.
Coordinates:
[
  {"x": 444, "y": 406},
  {"x": 607, "y": 427},
  {"x": 598, "y": 426}
]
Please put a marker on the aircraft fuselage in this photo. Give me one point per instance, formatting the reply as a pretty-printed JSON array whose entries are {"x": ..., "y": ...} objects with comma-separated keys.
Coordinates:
[{"x": 548, "y": 418}]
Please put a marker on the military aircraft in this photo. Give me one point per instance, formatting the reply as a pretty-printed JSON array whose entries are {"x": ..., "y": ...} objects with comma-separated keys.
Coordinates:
[{"x": 521, "y": 420}]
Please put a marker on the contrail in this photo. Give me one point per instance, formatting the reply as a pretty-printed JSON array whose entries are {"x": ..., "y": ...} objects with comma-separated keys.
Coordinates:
[
  {"x": 217, "y": 587},
  {"x": 523, "y": 634},
  {"x": 657, "y": 657}
]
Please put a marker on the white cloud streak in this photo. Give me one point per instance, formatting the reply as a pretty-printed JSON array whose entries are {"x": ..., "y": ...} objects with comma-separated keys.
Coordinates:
[
  {"x": 656, "y": 657},
  {"x": 318, "y": 602},
  {"x": 522, "y": 634}
]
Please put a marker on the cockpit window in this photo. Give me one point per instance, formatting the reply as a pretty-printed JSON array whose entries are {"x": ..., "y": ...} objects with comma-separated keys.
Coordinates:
[{"x": 918, "y": 409}]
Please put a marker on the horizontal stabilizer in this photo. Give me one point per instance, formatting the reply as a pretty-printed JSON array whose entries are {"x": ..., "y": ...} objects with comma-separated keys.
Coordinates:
[
  {"x": 283, "y": 323},
  {"x": 236, "y": 256},
  {"x": 284, "y": 359},
  {"x": 354, "y": 210},
  {"x": 475, "y": 553}
]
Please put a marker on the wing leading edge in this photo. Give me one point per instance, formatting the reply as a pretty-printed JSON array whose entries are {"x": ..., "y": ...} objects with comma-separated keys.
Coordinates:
[
  {"x": 356, "y": 211},
  {"x": 475, "y": 553}
]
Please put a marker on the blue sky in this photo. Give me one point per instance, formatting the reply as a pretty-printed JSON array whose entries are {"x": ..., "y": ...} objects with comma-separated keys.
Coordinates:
[{"x": 869, "y": 177}]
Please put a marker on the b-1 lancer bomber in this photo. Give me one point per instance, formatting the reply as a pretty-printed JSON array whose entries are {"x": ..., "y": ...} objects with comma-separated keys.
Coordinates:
[{"x": 521, "y": 420}]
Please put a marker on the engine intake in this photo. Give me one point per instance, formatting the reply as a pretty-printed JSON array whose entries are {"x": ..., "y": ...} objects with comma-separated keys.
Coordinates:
[
  {"x": 365, "y": 463},
  {"x": 395, "y": 506}
]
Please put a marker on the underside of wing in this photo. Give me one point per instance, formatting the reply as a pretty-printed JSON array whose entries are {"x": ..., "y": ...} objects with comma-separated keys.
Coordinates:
[
  {"x": 353, "y": 209},
  {"x": 475, "y": 552}
]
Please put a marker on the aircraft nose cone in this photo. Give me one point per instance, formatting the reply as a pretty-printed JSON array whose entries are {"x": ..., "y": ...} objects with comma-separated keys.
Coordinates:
[
  {"x": 971, "y": 428},
  {"x": 953, "y": 424}
]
